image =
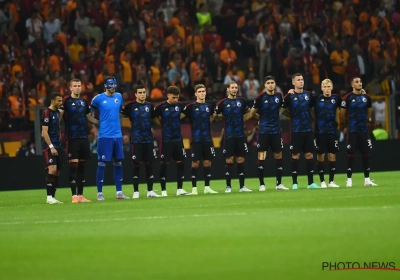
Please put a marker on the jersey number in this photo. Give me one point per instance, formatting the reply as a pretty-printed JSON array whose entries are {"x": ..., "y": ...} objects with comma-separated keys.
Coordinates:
[
  {"x": 245, "y": 148},
  {"x": 336, "y": 143},
  {"x": 154, "y": 153},
  {"x": 282, "y": 143},
  {"x": 183, "y": 152},
  {"x": 369, "y": 143}
]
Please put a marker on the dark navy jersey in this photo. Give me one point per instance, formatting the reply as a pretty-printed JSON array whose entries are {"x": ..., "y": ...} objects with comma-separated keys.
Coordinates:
[
  {"x": 299, "y": 105},
  {"x": 199, "y": 116},
  {"x": 233, "y": 111},
  {"x": 325, "y": 113},
  {"x": 357, "y": 106},
  {"x": 51, "y": 119},
  {"x": 268, "y": 107},
  {"x": 75, "y": 111},
  {"x": 170, "y": 115},
  {"x": 140, "y": 116}
]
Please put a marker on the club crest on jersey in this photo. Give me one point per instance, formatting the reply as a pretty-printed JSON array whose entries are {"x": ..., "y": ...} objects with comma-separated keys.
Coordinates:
[
  {"x": 239, "y": 104},
  {"x": 343, "y": 103},
  {"x": 46, "y": 120},
  {"x": 364, "y": 99},
  {"x": 116, "y": 100},
  {"x": 82, "y": 103},
  {"x": 306, "y": 98},
  {"x": 176, "y": 108},
  {"x": 207, "y": 110},
  {"x": 276, "y": 100},
  {"x": 146, "y": 109},
  {"x": 333, "y": 101}
]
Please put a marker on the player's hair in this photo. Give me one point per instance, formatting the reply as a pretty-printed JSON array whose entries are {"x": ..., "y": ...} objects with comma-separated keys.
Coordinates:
[
  {"x": 54, "y": 95},
  {"x": 352, "y": 79},
  {"x": 75, "y": 80},
  {"x": 267, "y": 78},
  {"x": 173, "y": 90},
  {"x": 326, "y": 81},
  {"x": 297, "y": 75},
  {"x": 139, "y": 87},
  {"x": 109, "y": 78},
  {"x": 198, "y": 87},
  {"x": 231, "y": 83}
]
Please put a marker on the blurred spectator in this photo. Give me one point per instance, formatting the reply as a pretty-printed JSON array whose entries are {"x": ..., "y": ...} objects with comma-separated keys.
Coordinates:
[
  {"x": 27, "y": 149},
  {"x": 251, "y": 87},
  {"x": 167, "y": 42},
  {"x": 379, "y": 109}
]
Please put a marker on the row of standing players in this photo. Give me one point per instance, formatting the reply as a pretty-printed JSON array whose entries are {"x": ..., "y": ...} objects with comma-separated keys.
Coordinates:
[{"x": 299, "y": 105}]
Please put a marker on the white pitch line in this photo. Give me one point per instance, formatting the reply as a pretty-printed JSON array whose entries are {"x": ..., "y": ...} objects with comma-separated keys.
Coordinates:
[{"x": 273, "y": 211}]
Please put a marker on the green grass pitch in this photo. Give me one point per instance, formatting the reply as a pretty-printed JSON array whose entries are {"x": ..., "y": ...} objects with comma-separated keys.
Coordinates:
[{"x": 269, "y": 235}]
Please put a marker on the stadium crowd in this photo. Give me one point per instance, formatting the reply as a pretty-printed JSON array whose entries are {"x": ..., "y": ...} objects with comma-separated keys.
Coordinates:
[{"x": 46, "y": 43}]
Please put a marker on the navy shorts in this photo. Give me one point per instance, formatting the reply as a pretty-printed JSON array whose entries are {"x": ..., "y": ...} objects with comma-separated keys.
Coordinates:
[{"x": 110, "y": 148}]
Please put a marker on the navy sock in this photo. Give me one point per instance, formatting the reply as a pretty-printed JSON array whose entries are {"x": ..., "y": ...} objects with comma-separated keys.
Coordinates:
[
  {"x": 365, "y": 164},
  {"x": 73, "y": 177},
  {"x": 260, "y": 167},
  {"x": 295, "y": 168},
  {"x": 194, "y": 176},
  {"x": 118, "y": 175},
  {"x": 81, "y": 177},
  {"x": 279, "y": 171},
  {"x": 163, "y": 176},
  {"x": 50, "y": 179},
  {"x": 320, "y": 168},
  {"x": 136, "y": 171},
  {"x": 350, "y": 159},
  {"x": 180, "y": 174},
  {"x": 310, "y": 171},
  {"x": 228, "y": 173},
  {"x": 101, "y": 166},
  {"x": 55, "y": 186},
  {"x": 207, "y": 176},
  {"x": 332, "y": 169},
  {"x": 240, "y": 171},
  {"x": 149, "y": 176}
]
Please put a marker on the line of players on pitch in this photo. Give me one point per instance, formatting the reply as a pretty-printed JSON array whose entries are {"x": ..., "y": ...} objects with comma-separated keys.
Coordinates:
[{"x": 302, "y": 108}]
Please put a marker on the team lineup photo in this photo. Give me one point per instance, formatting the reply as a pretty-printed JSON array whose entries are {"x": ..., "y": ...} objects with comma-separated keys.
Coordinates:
[{"x": 199, "y": 139}]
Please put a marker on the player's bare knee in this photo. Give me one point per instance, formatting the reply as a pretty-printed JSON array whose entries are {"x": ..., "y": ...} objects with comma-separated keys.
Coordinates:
[
  {"x": 195, "y": 164},
  {"x": 73, "y": 160},
  {"x": 240, "y": 159},
  {"x": 331, "y": 157},
  {"x": 229, "y": 160},
  {"x": 321, "y": 157},
  {"x": 278, "y": 155},
  {"x": 295, "y": 156},
  {"x": 308, "y": 156},
  {"x": 262, "y": 155},
  {"x": 207, "y": 163}
]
